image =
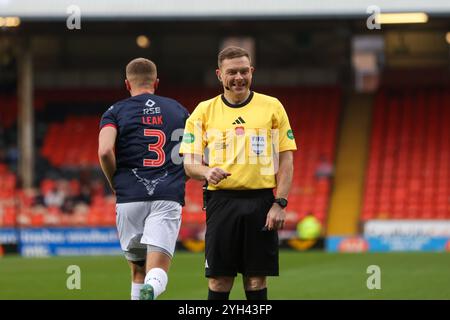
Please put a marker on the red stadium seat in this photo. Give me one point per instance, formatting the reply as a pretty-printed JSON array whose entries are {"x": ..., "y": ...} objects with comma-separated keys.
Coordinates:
[{"x": 408, "y": 159}]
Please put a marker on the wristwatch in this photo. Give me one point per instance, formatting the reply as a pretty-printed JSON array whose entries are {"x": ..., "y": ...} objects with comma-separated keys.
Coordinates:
[{"x": 282, "y": 202}]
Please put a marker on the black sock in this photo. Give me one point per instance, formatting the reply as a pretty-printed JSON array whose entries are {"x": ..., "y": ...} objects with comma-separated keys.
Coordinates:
[
  {"x": 214, "y": 295},
  {"x": 257, "y": 294}
]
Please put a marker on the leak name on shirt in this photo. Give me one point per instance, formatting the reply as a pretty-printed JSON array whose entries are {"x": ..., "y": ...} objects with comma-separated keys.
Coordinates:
[{"x": 153, "y": 120}]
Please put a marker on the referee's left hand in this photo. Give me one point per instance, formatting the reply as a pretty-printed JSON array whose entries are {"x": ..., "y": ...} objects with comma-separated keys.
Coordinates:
[{"x": 275, "y": 218}]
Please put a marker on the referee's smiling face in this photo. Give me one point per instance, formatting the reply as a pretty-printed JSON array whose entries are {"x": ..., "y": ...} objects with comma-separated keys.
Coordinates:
[{"x": 236, "y": 76}]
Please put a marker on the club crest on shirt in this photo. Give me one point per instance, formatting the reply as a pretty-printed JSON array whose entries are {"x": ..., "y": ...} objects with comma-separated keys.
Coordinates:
[{"x": 258, "y": 144}]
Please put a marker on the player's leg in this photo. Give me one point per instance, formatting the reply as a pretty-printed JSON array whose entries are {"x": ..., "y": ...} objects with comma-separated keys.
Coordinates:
[
  {"x": 222, "y": 244},
  {"x": 219, "y": 287},
  {"x": 260, "y": 253},
  {"x": 157, "y": 269},
  {"x": 255, "y": 287},
  {"x": 130, "y": 217},
  {"x": 160, "y": 235},
  {"x": 137, "y": 277}
]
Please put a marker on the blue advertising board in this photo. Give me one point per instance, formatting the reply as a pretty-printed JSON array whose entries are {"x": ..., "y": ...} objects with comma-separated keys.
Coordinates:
[
  {"x": 8, "y": 236},
  {"x": 68, "y": 241},
  {"x": 387, "y": 243}
]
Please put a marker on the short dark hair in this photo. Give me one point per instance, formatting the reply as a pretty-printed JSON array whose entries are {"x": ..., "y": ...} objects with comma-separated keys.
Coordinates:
[
  {"x": 141, "y": 71},
  {"x": 231, "y": 53}
]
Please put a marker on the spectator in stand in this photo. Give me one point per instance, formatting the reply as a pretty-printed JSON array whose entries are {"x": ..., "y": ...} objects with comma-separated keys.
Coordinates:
[
  {"x": 38, "y": 199},
  {"x": 82, "y": 201},
  {"x": 69, "y": 204},
  {"x": 12, "y": 156},
  {"x": 54, "y": 198},
  {"x": 84, "y": 197},
  {"x": 324, "y": 169},
  {"x": 85, "y": 176}
]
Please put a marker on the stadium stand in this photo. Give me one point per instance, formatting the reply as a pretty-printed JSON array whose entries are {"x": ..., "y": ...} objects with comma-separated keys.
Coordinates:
[
  {"x": 408, "y": 168},
  {"x": 8, "y": 113},
  {"x": 314, "y": 115},
  {"x": 9, "y": 110},
  {"x": 72, "y": 143},
  {"x": 7, "y": 196}
]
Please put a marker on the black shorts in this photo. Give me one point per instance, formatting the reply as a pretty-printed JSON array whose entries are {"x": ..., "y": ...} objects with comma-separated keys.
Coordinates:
[{"x": 235, "y": 241}]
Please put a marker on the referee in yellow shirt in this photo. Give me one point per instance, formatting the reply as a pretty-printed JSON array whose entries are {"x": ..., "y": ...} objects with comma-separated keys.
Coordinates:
[{"x": 248, "y": 142}]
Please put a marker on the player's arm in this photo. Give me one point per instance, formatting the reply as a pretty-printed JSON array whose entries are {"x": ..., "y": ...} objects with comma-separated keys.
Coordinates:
[
  {"x": 106, "y": 145},
  {"x": 195, "y": 169},
  {"x": 284, "y": 174},
  {"x": 276, "y": 216}
]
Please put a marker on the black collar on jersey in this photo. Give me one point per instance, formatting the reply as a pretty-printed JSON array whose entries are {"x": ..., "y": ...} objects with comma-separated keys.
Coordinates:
[{"x": 238, "y": 105}]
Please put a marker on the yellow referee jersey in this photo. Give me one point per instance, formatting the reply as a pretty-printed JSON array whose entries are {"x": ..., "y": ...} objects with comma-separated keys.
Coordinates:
[{"x": 243, "y": 139}]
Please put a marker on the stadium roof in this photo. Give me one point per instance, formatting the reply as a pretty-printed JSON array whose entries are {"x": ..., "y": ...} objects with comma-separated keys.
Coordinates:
[{"x": 198, "y": 9}]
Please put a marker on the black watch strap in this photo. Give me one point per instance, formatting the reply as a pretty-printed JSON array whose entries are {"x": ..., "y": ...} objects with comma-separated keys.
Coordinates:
[{"x": 282, "y": 202}]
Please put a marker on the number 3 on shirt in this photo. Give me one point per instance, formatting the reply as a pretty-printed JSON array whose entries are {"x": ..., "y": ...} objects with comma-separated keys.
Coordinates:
[{"x": 156, "y": 147}]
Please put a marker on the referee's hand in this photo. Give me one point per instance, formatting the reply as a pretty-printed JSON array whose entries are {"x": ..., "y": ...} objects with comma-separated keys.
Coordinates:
[
  {"x": 275, "y": 218},
  {"x": 215, "y": 175}
]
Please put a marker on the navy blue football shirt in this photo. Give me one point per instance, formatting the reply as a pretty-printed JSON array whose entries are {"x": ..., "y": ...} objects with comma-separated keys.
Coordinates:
[{"x": 149, "y": 132}]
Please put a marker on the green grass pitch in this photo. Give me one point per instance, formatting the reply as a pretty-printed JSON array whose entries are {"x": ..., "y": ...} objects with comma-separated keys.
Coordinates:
[{"x": 303, "y": 275}]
